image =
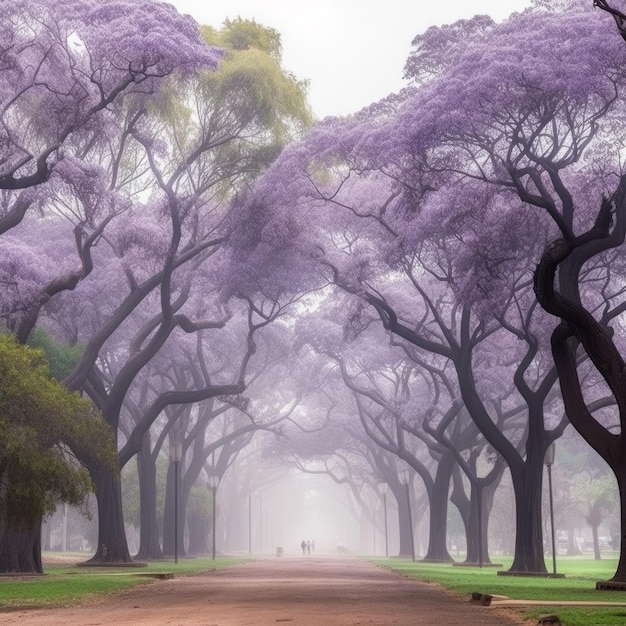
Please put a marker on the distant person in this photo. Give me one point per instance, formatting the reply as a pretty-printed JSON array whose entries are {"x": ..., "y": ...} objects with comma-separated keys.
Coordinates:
[
  {"x": 303, "y": 546},
  {"x": 313, "y": 545},
  {"x": 308, "y": 547}
]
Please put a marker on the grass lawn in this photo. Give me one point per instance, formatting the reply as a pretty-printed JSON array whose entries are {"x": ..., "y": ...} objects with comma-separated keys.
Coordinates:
[
  {"x": 581, "y": 575},
  {"x": 66, "y": 585}
]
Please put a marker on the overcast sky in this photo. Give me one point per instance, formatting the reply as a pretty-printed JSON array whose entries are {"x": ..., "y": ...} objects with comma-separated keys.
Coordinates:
[{"x": 351, "y": 51}]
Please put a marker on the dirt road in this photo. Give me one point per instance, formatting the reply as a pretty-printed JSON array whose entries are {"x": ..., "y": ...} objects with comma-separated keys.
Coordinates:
[{"x": 302, "y": 591}]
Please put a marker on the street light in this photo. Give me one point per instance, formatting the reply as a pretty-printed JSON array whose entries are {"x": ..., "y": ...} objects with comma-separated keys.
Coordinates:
[
  {"x": 213, "y": 482},
  {"x": 261, "y": 522},
  {"x": 403, "y": 475},
  {"x": 176, "y": 454},
  {"x": 249, "y": 523},
  {"x": 549, "y": 460},
  {"x": 383, "y": 488}
]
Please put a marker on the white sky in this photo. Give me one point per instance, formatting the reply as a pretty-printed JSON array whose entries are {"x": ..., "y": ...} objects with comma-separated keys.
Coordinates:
[{"x": 352, "y": 51}]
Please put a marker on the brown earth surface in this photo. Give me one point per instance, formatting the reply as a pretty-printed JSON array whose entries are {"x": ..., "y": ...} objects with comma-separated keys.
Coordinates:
[{"x": 307, "y": 591}]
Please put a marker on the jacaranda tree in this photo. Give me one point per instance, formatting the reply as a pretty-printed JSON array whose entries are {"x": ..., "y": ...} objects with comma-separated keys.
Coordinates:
[
  {"x": 67, "y": 69},
  {"x": 459, "y": 180}
]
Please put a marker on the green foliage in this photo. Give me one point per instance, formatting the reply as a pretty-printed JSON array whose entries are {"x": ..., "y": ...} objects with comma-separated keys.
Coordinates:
[
  {"x": 600, "y": 490},
  {"x": 258, "y": 89},
  {"x": 40, "y": 424},
  {"x": 594, "y": 484},
  {"x": 601, "y": 497},
  {"x": 61, "y": 357},
  {"x": 242, "y": 34},
  {"x": 251, "y": 83},
  {"x": 200, "y": 502}
]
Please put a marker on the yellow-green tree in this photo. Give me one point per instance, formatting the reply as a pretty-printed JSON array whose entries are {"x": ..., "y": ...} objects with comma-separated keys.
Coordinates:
[
  {"x": 251, "y": 82},
  {"x": 227, "y": 125}
]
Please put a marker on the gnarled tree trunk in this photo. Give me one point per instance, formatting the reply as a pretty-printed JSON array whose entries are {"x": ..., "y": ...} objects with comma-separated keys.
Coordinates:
[{"x": 20, "y": 551}]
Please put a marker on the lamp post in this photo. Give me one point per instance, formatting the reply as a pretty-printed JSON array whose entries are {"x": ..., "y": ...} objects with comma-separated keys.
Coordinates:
[
  {"x": 549, "y": 460},
  {"x": 261, "y": 522},
  {"x": 213, "y": 482},
  {"x": 403, "y": 475},
  {"x": 176, "y": 454},
  {"x": 383, "y": 488},
  {"x": 249, "y": 523}
]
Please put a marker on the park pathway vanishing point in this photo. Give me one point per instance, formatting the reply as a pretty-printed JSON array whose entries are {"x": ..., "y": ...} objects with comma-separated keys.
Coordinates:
[{"x": 304, "y": 591}]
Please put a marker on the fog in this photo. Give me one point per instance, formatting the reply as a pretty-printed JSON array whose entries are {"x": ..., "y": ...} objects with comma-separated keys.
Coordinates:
[
  {"x": 287, "y": 506},
  {"x": 304, "y": 507}
]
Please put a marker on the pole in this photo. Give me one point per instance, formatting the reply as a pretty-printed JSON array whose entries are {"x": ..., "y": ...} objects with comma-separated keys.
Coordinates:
[
  {"x": 386, "y": 536},
  {"x": 176, "y": 463},
  {"x": 408, "y": 502},
  {"x": 176, "y": 455},
  {"x": 249, "y": 523},
  {"x": 261, "y": 522},
  {"x": 214, "y": 507},
  {"x": 479, "y": 497},
  {"x": 552, "y": 518}
]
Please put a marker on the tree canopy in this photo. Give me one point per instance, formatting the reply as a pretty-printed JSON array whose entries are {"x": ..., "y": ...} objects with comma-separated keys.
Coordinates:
[{"x": 434, "y": 281}]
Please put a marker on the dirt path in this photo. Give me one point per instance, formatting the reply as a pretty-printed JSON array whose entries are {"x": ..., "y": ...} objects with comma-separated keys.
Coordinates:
[{"x": 302, "y": 591}]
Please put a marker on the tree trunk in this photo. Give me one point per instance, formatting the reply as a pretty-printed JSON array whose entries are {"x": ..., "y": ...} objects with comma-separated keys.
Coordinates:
[
  {"x": 169, "y": 548},
  {"x": 482, "y": 493},
  {"x": 437, "y": 551},
  {"x": 404, "y": 529},
  {"x": 149, "y": 546},
  {"x": 112, "y": 544},
  {"x": 580, "y": 328},
  {"x": 475, "y": 527},
  {"x": 20, "y": 551},
  {"x": 573, "y": 549},
  {"x": 529, "y": 557},
  {"x": 596, "y": 542},
  {"x": 481, "y": 501}
]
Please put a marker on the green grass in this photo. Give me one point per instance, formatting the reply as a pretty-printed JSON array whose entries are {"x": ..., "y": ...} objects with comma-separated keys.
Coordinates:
[
  {"x": 67, "y": 585},
  {"x": 581, "y": 576}
]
